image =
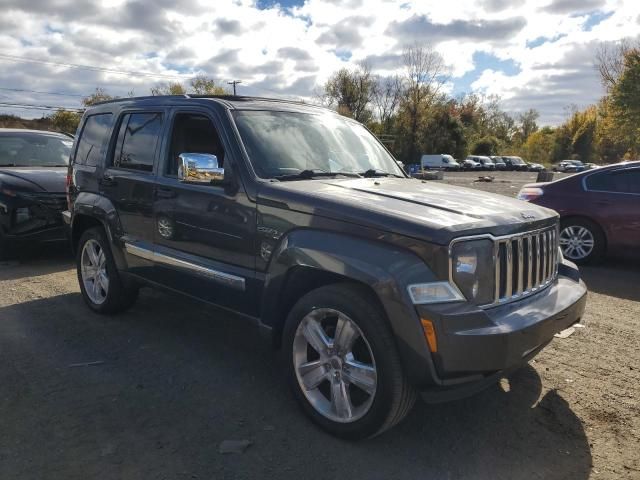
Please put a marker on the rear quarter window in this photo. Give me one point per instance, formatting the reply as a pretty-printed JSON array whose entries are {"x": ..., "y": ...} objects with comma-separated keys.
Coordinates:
[{"x": 93, "y": 139}]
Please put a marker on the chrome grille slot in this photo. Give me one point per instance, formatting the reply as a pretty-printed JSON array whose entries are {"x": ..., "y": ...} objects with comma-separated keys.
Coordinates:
[{"x": 525, "y": 263}]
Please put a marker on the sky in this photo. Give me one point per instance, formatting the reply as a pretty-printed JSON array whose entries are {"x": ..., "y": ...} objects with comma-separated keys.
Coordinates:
[{"x": 532, "y": 53}]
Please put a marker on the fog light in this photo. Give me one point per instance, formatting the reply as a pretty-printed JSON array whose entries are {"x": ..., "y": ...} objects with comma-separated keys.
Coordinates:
[{"x": 22, "y": 214}]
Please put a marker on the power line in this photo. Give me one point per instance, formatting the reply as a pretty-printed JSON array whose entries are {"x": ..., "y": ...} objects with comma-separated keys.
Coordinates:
[
  {"x": 42, "y": 93},
  {"x": 38, "y": 107},
  {"x": 93, "y": 68}
]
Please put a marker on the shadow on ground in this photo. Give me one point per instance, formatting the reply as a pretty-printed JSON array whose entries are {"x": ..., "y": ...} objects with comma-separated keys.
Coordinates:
[
  {"x": 42, "y": 261},
  {"x": 615, "y": 277},
  {"x": 175, "y": 378}
]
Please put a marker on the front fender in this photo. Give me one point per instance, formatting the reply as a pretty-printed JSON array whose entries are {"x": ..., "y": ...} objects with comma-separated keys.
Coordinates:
[{"x": 385, "y": 268}]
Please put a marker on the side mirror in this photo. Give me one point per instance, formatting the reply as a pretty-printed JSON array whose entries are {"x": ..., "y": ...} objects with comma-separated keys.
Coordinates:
[{"x": 199, "y": 168}]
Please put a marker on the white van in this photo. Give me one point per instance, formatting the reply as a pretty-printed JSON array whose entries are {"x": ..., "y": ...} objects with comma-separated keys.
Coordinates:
[{"x": 441, "y": 161}]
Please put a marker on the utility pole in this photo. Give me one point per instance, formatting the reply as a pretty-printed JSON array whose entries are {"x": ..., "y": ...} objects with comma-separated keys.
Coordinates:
[{"x": 234, "y": 83}]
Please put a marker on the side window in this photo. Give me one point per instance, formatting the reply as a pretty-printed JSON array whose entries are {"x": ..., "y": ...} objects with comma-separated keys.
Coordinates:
[
  {"x": 192, "y": 133},
  {"x": 93, "y": 139},
  {"x": 624, "y": 181},
  {"x": 137, "y": 140}
]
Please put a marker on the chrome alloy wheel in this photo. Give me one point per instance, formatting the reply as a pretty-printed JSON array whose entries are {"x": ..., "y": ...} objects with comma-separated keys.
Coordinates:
[
  {"x": 93, "y": 268},
  {"x": 334, "y": 365},
  {"x": 577, "y": 242}
]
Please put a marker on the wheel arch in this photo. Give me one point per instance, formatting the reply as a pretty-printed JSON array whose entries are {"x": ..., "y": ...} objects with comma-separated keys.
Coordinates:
[
  {"x": 92, "y": 210},
  {"x": 308, "y": 259}
]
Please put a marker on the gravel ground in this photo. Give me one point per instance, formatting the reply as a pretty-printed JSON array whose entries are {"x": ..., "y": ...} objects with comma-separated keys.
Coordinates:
[{"x": 152, "y": 393}]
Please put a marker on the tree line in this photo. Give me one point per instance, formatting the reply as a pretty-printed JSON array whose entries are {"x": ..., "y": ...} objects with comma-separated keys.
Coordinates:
[{"x": 412, "y": 114}]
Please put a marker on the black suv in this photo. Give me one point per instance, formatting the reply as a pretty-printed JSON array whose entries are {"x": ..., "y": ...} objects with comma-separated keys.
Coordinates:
[{"x": 374, "y": 285}]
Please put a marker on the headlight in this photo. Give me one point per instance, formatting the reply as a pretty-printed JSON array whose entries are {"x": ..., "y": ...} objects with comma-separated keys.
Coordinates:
[
  {"x": 472, "y": 270},
  {"x": 434, "y": 292}
]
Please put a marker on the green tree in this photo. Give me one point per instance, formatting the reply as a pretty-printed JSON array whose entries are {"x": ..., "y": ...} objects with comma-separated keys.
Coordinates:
[
  {"x": 351, "y": 92},
  {"x": 540, "y": 146},
  {"x": 625, "y": 100},
  {"x": 99, "y": 95},
  {"x": 202, "y": 85},
  {"x": 443, "y": 132},
  {"x": 485, "y": 146},
  {"x": 168, "y": 88},
  {"x": 527, "y": 124},
  {"x": 199, "y": 85},
  {"x": 65, "y": 121},
  {"x": 582, "y": 143}
]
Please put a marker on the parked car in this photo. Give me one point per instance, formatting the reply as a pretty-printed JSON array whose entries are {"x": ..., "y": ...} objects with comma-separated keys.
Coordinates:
[
  {"x": 569, "y": 166},
  {"x": 498, "y": 162},
  {"x": 536, "y": 167},
  {"x": 469, "y": 164},
  {"x": 374, "y": 286},
  {"x": 599, "y": 211},
  {"x": 33, "y": 172},
  {"x": 486, "y": 162},
  {"x": 439, "y": 162},
  {"x": 515, "y": 163},
  {"x": 591, "y": 166}
]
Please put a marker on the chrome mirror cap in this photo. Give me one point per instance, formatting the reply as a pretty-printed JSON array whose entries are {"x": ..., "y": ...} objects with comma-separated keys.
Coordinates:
[{"x": 199, "y": 168}]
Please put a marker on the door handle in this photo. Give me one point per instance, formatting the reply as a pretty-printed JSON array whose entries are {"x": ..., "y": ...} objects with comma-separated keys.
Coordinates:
[
  {"x": 108, "y": 181},
  {"x": 165, "y": 193}
]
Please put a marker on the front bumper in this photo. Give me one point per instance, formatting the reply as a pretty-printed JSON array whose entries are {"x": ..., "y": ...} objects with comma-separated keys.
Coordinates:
[
  {"x": 43, "y": 224},
  {"x": 477, "y": 347}
]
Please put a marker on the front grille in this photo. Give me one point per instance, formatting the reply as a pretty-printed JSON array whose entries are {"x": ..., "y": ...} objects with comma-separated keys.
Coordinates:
[{"x": 525, "y": 263}]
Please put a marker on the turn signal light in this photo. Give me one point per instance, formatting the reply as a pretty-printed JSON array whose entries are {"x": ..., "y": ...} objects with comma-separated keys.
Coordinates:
[{"x": 430, "y": 334}]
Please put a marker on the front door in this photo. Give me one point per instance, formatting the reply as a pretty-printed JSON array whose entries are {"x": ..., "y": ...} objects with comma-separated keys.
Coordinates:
[{"x": 204, "y": 234}]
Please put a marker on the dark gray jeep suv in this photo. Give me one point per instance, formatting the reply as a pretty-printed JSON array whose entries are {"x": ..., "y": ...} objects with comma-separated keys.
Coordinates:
[{"x": 374, "y": 286}]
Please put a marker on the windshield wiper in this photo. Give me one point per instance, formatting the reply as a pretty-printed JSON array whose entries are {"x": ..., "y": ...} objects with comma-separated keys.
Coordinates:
[
  {"x": 374, "y": 172},
  {"x": 7, "y": 164},
  {"x": 311, "y": 174}
]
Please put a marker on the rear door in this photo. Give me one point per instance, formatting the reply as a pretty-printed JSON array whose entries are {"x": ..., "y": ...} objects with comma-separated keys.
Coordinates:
[
  {"x": 128, "y": 179},
  {"x": 614, "y": 197}
]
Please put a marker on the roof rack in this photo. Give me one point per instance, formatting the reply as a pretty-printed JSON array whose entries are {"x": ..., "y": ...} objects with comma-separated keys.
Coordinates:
[{"x": 228, "y": 98}]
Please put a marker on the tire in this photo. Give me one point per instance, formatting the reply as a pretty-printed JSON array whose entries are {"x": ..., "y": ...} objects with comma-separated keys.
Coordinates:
[
  {"x": 582, "y": 241},
  {"x": 110, "y": 297},
  {"x": 371, "y": 361}
]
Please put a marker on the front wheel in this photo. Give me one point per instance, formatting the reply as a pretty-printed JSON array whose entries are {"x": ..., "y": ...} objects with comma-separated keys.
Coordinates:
[
  {"x": 102, "y": 288},
  {"x": 581, "y": 240},
  {"x": 343, "y": 365}
]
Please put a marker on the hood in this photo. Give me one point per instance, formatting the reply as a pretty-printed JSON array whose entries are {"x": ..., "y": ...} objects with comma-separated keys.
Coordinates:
[
  {"x": 48, "y": 179},
  {"x": 423, "y": 209}
]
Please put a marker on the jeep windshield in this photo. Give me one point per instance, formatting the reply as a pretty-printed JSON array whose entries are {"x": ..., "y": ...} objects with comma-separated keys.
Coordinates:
[
  {"x": 34, "y": 150},
  {"x": 299, "y": 146}
]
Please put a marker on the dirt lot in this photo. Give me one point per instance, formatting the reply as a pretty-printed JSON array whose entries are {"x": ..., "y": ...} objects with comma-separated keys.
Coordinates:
[{"x": 172, "y": 379}]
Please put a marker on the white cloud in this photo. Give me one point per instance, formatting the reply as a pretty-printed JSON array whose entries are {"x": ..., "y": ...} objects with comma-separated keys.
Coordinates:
[{"x": 291, "y": 51}]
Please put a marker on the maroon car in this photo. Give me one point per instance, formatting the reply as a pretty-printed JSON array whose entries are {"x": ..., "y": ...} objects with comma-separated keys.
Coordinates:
[{"x": 599, "y": 211}]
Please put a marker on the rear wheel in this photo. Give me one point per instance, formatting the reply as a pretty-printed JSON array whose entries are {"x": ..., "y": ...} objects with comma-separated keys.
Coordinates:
[
  {"x": 581, "y": 240},
  {"x": 343, "y": 365},
  {"x": 100, "y": 283}
]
